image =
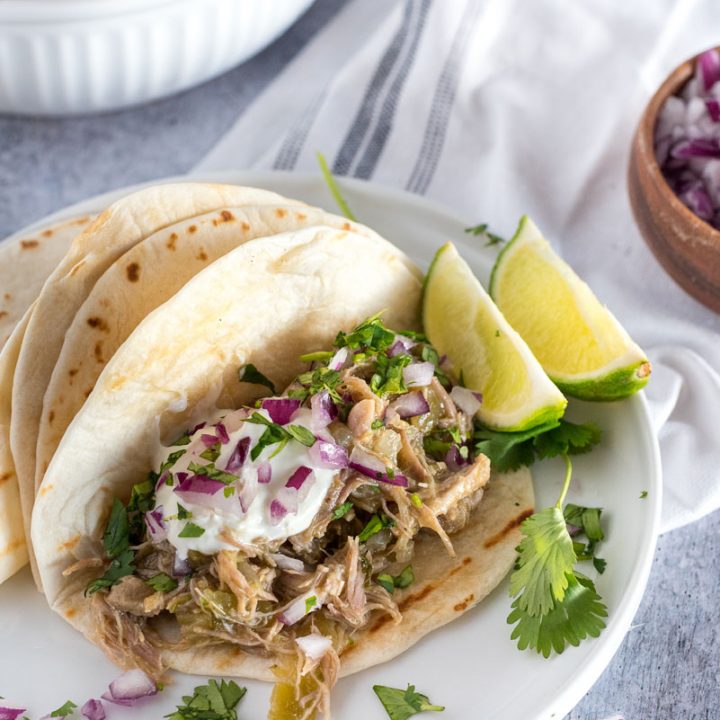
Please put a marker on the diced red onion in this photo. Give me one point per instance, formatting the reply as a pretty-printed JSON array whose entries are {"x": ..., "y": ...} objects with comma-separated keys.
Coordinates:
[
  {"x": 467, "y": 400},
  {"x": 156, "y": 525},
  {"x": 277, "y": 511},
  {"x": 288, "y": 498},
  {"x": 401, "y": 346},
  {"x": 314, "y": 645},
  {"x": 93, "y": 710},
  {"x": 301, "y": 481},
  {"x": 298, "y": 608},
  {"x": 209, "y": 440},
  {"x": 222, "y": 433},
  {"x": 698, "y": 148},
  {"x": 264, "y": 473},
  {"x": 323, "y": 410},
  {"x": 8, "y": 713},
  {"x": 708, "y": 67},
  {"x": 338, "y": 360},
  {"x": 409, "y": 405},
  {"x": 249, "y": 490},
  {"x": 129, "y": 687},
  {"x": 418, "y": 374},
  {"x": 181, "y": 567},
  {"x": 713, "y": 108},
  {"x": 699, "y": 202},
  {"x": 280, "y": 410},
  {"x": 329, "y": 455},
  {"x": 288, "y": 563},
  {"x": 372, "y": 467},
  {"x": 203, "y": 491},
  {"x": 238, "y": 456},
  {"x": 199, "y": 426},
  {"x": 453, "y": 459}
]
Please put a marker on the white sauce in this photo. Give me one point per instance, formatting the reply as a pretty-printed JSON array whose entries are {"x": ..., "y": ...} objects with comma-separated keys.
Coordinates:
[{"x": 225, "y": 516}]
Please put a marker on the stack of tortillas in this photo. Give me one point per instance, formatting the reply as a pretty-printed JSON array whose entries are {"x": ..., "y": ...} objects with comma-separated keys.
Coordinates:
[{"x": 71, "y": 295}]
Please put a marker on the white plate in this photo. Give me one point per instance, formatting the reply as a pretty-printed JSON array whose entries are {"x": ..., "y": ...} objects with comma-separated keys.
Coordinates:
[{"x": 471, "y": 666}]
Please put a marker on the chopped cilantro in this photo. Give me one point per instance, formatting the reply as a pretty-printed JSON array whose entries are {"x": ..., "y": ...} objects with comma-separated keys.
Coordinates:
[
  {"x": 376, "y": 424},
  {"x": 191, "y": 530},
  {"x": 301, "y": 434},
  {"x": 162, "y": 582},
  {"x": 210, "y": 471},
  {"x": 319, "y": 356},
  {"x": 64, "y": 710},
  {"x": 214, "y": 701},
  {"x": 388, "y": 376},
  {"x": 310, "y": 603},
  {"x": 172, "y": 458},
  {"x": 334, "y": 189},
  {"x": 430, "y": 354},
  {"x": 374, "y": 526},
  {"x": 275, "y": 433},
  {"x": 643, "y": 494},
  {"x": 403, "y": 580},
  {"x": 403, "y": 704},
  {"x": 420, "y": 337},
  {"x": 370, "y": 334},
  {"x": 211, "y": 453},
  {"x": 554, "y": 606},
  {"x": 183, "y": 513},
  {"x": 116, "y": 543},
  {"x": 250, "y": 374},
  {"x": 342, "y": 510},
  {"x": 588, "y": 521},
  {"x": 416, "y": 500},
  {"x": 182, "y": 440},
  {"x": 482, "y": 230}
]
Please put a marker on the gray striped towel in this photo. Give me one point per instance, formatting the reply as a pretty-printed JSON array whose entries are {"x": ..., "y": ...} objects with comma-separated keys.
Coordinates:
[{"x": 502, "y": 107}]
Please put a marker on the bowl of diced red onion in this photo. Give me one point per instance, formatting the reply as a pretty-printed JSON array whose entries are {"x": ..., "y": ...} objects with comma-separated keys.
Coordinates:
[{"x": 674, "y": 176}]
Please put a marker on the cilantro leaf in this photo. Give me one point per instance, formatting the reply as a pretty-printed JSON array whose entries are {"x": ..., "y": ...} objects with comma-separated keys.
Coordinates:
[
  {"x": 578, "y": 615},
  {"x": 388, "y": 376},
  {"x": 553, "y": 604},
  {"x": 374, "y": 526},
  {"x": 511, "y": 450},
  {"x": 545, "y": 558},
  {"x": 342, "y": 510},
  {"x": 250, "y": 374},
  {"x": 369, "y": 335},
  {"x": 210, "y": 471},
  {"x": 334, "y": 189},
  {"x": 64, "y": 710},
  {"x": 172, "y": 458},
  {"x": 483, "y": 231},
  {"x": 301, "y": 434},
  {"x": 403, "y": 704},
  {"x": 587, "y": 520},
  {"x": 162, "y": 582},
  {"x": 403, "y": 580},
  {"x": 318, "y": 356},
  {"x": 643, "y": 494},
  {"x": 191, "y": 530},
  {"x": 213, "y": 701}
]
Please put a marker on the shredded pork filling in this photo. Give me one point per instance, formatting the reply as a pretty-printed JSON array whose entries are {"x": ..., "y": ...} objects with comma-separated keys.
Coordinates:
[{"x": 365, "y": 528}]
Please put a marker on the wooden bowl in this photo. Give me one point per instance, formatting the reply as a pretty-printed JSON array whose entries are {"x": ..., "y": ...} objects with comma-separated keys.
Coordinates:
[{"x": 686, "y": 246}]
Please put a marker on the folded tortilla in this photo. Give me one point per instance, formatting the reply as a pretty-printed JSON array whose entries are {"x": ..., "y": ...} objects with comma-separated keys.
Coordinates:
[{"x": 265, "y": 302}]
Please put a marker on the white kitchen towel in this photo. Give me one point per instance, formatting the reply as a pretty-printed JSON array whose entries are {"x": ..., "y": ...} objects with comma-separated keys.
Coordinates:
[{"x": 502, "y": 107}]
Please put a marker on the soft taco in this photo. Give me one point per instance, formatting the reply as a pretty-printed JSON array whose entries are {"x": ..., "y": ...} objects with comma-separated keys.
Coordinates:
[
  {"x": 133, "y": 257},
  {"x": 319, "y": 531}
]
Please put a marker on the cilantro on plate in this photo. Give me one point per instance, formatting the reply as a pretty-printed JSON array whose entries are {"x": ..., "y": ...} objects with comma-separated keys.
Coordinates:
[
  {"x": 213, "y": 701},
  {"x": 403, "y": 704},
  {"x": 250, "y": 374},
  {"x": 116, "y": 543}
]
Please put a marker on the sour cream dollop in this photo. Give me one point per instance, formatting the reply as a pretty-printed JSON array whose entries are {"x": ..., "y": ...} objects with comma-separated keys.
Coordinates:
[{"x": 208, "y": 515}]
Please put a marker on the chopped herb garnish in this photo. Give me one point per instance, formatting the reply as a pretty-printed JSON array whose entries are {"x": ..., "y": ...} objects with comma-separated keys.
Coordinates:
[
  {"x": 315, "y": 381},
  {"x": 162, "y": 582},
  {"x": 116, "y": 543},
  {"x": 172, "y": 458},
  {"x": 250, "y": 374},
  {"x": 511, "y": 450},
  {"x": 210, "y": 471},
  {"x": 416, "y": 500},
  {"x": 376, "y": 424},
  {"x": 182, "y": 440},
  {"x": 370, "y": 335},
  {"x": 64, "y": 710},
  {"x": 342, "y": 510},
  {"x": 482, "y": 231},
  {"x": 319, "y": 356},
  {"x": 430, "y": 354},
  {"x": 388, "y": 376},
  {"x": 403, "y": 704},
  {"x": 191, "y": 530},
  {"x": 554, "y": 605},
  {"x": 403, "y": 580},
  {"x": 374, "y": 526},
  {"x": 275, "y": 433},
  {"x": 587, "y": 520},
  {"x": 214, "y": 701},
  {"x": 334, "y": 189},
  {"x": 211, "y": 453},
  {"x": 643, "y": 494},
  {"x": 420, "y": 337},
  {"x": 310, "y": 603},
  {"x": 301, "y": 434},
  {"x": 183, "y": 513}
]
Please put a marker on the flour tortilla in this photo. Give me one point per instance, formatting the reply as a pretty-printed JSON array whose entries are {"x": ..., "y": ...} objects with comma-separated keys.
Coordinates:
[
  {"x": 112, "y": 233},
  {"x": 26, "y": 261},
  {"x": 13, "y": 546},
  {"x": 265, "y": 302}
]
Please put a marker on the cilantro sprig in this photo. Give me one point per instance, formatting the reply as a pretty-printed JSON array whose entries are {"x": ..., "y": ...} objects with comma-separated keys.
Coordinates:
[
  {"x": 116, "y": 543},
  {"x": 511, "y": 450},
  {"x": 554, "y": 604},
  {"x": 275, "y": 433},
  {"x": 482, "y": 230},
  {"x": 214, "y": 701},
  {"x": 403, "y": 704}
]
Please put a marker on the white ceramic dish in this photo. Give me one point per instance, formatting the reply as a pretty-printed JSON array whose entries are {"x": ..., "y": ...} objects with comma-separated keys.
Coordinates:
[
  {"x": 62, "y": 57},
  {"x": 471, "y": 666}
]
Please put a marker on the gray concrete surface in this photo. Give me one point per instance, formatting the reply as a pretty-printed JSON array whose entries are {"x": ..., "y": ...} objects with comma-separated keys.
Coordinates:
[{"x": 668, "y": 667}]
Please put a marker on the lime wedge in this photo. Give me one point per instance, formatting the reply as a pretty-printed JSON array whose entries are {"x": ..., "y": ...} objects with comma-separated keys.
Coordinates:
[
  {"x": 462, "y": 322},
  {"x": 577, "y": 340}
]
